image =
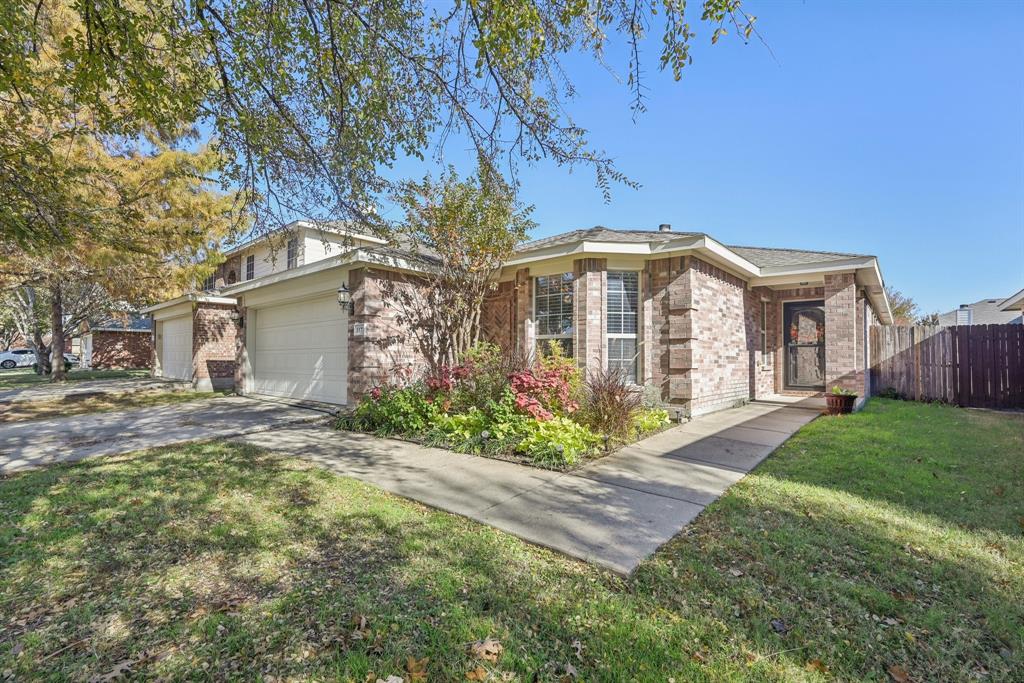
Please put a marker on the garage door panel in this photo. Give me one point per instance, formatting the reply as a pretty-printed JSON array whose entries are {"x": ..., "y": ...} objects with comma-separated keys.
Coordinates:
[
  {"x": 300, "y": 351},
  {"x": 176, "y": 348}
]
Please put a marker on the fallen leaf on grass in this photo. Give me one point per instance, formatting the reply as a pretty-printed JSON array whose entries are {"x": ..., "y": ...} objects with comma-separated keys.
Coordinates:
[
  {"x": 416, "y": 668},
  {"x": 122, "y": 669},
  {"x": 577, "y": 647},
  {"x": 488, "y": 649},
  {"x": 477, "y": 674},
  {"x": 816, "y": 665},
  {"x": 780, "y": 626},
  {"x": 898, "y": 674}
]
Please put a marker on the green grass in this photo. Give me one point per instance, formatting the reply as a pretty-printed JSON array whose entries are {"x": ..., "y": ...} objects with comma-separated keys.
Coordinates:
[
  {"x": 25, "y": 377},
  {"x": 79, "y": 404},
  {"x": 890, "y": 538}
]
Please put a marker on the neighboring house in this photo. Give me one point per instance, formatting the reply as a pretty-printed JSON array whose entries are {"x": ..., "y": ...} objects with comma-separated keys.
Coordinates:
[
  {"x": 1014, "y": 302},
  {"x": 985, "y": 312},
  {"x": 707, "y": 325},
  {"x": 116, "y": 344}
]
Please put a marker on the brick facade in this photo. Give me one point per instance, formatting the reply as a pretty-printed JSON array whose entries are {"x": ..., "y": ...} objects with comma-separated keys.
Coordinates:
[
  {"x": 589, "y": 287},
  {"x": 841, "y": 333},
  {"x": 214, "y": 346},
  {"x": 669, "y": 298},
  {"x": 383, "y": 349},
  {"x": 700, "y": 330},
  {"x": 723, "y": 347},
  {"x": 120, "y": 350}
]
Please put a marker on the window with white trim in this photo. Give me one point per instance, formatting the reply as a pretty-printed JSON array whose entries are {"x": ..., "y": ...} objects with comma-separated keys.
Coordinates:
[
  {"x": 293, "y": 252},
  {"x": 210, "y": 282},
  {"x": 553, "y": 310},
  {"x": 622, "y": 304},
  {"x": 250, "y": 267}
]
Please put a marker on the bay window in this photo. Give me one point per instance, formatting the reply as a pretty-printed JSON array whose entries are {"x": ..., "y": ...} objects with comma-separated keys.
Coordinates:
[
  {"x": 553, "y": 310},
  {"x": 622, "y": 304}
]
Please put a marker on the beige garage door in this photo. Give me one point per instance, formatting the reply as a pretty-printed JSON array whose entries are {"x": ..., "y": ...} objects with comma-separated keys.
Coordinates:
[
  {"x": 176, "y": 348},
  {"x": 300, "y": 350}
]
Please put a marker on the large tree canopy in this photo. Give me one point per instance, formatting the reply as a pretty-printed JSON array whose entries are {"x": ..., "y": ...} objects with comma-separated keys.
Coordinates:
[{"x": 311, "y": 100}]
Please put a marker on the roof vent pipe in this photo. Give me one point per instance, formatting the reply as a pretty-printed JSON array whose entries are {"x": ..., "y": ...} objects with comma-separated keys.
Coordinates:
[{"x": 665, "y": 227}]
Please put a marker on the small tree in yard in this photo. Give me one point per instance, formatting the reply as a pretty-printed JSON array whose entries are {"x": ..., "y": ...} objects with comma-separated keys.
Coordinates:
[{"x": 462, "y": 231}]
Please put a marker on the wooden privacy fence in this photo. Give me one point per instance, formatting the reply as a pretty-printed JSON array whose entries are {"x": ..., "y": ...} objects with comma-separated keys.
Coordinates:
[{"x": 980, "y": 366}]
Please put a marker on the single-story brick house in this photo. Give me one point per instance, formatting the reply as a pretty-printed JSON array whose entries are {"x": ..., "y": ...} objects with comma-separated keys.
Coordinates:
[
  {"x": 116, "y": 344},
  {"x": 707, "y": 325}
]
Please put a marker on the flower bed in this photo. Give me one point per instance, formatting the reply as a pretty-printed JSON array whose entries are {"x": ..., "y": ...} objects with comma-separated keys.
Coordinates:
[{"x": 490, "y": 404}]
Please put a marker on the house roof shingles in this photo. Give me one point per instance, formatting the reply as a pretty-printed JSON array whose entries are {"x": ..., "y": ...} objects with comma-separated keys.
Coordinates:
[
  {"x": 763, "y": 257},
  {"x": 599, "y": 233},
  {"x": 767, "y": 257},
  {"x": 984, "y": 312},
  {"x": 132, "y": 324}
]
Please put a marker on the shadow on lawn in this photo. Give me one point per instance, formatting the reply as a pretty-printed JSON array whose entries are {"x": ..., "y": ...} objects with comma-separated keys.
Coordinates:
[{"x": 251, "y": 564}]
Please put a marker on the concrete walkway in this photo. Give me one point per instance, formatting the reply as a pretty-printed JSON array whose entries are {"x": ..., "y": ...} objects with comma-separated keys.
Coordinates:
[
  {"x": 32, "y": 443},
  {"x": 614, "y": 512},
  {"x": 45, "y": 391}
]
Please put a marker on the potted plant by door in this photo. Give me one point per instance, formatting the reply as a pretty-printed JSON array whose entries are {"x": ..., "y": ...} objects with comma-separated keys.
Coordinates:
[{"x": 840, "y": 401}]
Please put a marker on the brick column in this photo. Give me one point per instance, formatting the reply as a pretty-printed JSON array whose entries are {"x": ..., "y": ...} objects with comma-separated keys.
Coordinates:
[
  {"x": 672, "y": 366},
  {"x": 214, "y": 336},
  {"x": 589, "y": 288},
  {"x": 243, "y": 368},
  {"x": 841, "y": 332},
  {"x": 363, "y": 370},
  {"x": 522, "y": 302}
]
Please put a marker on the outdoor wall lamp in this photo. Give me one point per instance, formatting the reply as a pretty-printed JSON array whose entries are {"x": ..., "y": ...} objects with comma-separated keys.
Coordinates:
[{"x": 345, "y": 299}]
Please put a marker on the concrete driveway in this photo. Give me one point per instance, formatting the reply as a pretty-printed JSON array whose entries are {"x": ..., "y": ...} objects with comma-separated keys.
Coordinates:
[
  {"x": 43, "y": 442},
  {"x": 614, "y": 512},
  {"x": 45, "y": 391}
]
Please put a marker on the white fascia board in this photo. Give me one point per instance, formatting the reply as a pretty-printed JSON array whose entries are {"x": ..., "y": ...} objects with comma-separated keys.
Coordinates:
[
  {"x": 307, "y": 225},
  {"x": 853, "y": 263},
  {"x": 336, "y": 231},
  {"x": 877, "y": 294},
  {"x": 281, "y": 276},
  {"x": 115, "y": 329},
  {"x": 1012, "y": 302},
  {"x": 188, "y": 298},
  {"x": 723, "y": 253},
  {"x": 349, "y": 259}
]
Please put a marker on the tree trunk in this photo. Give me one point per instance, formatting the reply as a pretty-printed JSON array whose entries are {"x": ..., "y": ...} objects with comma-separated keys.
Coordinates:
[{"x": 57, "y": 333}]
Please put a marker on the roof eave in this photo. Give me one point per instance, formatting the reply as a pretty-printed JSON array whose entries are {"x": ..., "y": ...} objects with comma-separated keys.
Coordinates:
[
  {"x": 187, "y": 298},
  {"x": 1013, "y": 302}
]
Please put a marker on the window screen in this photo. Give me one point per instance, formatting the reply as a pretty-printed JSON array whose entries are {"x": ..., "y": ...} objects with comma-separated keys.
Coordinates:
[
  {"x": 621, "y": 315},
  {"x": 553, "y": 309}
]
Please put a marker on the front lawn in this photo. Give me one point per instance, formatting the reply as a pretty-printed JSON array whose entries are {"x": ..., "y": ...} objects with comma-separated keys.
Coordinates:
[
  {"x": 24, "y": 377},
  {"x": 79, "y": 404},
  {"x": 886, "y": 545}
]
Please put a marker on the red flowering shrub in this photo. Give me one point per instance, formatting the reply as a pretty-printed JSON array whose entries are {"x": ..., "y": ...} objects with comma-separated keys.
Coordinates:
[
  {"x": 545, "y": 390},
  {"x": 441, "y": 382}
]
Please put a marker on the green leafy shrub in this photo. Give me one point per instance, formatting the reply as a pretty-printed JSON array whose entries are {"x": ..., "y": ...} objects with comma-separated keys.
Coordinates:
[
  {"x": 557, "y": 442},
  {"x": 483, "y": 379},
  {"x": 650, "y": 420},
  {"x": 460, "y": 428},
  {"x": 389, "y": 410},
  {"x": 611, "y": 404}
]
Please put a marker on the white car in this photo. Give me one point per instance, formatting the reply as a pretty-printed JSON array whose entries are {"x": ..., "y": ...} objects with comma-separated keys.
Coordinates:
[{"x": 17, "y": 358}]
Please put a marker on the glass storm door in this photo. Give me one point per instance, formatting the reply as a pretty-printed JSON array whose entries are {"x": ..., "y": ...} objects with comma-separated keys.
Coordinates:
[{"x": 804, "y": 337}]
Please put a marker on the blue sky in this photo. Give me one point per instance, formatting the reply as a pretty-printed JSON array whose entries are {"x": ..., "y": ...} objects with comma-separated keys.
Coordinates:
[{"x": 895, "y": 129}]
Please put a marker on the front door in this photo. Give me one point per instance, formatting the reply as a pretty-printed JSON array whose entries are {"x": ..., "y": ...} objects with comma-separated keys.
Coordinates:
[{"x": 804, "y": 334}]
